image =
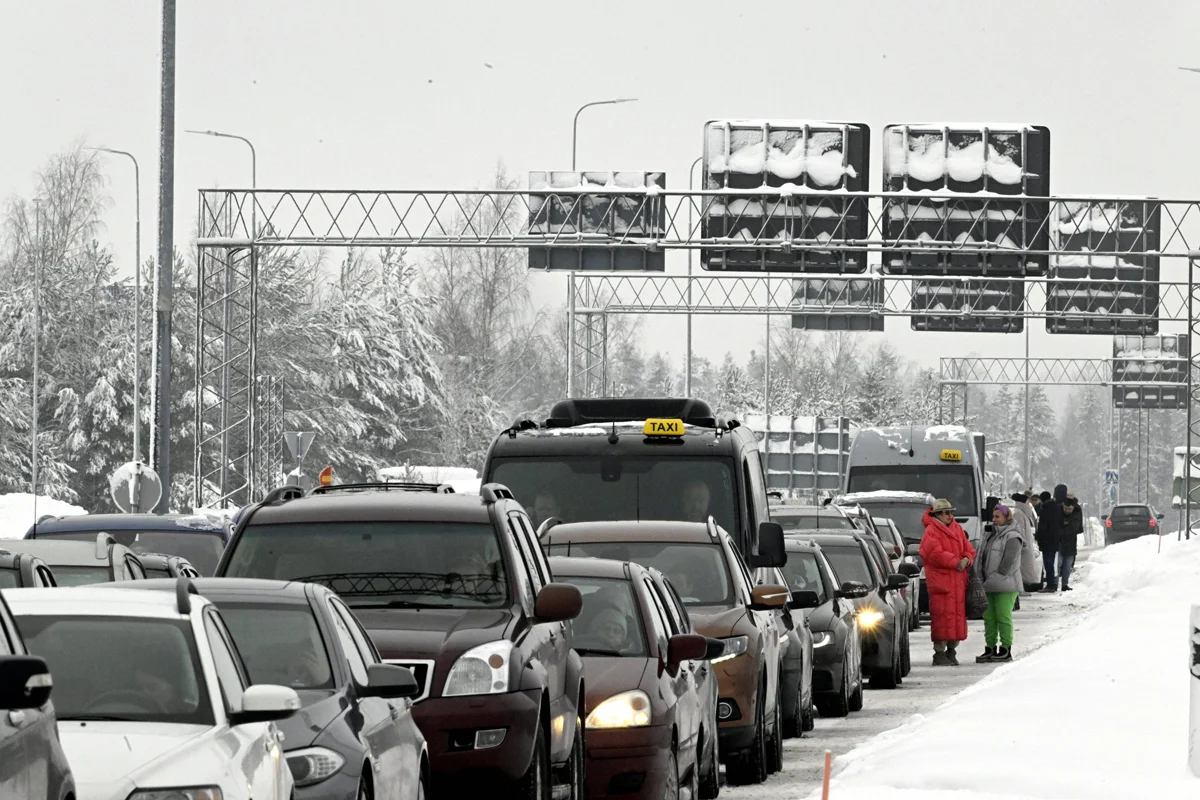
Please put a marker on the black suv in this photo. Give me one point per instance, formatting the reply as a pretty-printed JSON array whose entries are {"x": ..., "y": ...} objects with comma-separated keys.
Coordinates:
[
  {"x": 604, "y": 459},
  {"x": 1129, "y": 521},
  {"x": 457, "y": 589}
]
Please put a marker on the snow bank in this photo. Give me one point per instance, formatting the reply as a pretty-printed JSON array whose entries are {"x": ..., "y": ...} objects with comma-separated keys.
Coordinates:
[
  {"x": 463, "y": 480},
  {"x": 17, "y": 512},
  {"x": 1100, "y": 714}
]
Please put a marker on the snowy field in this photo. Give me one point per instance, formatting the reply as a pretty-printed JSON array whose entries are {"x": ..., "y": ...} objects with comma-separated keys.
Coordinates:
[
  {"x": 1097, "y": 713},
  {"x": 19, "y": 511}
]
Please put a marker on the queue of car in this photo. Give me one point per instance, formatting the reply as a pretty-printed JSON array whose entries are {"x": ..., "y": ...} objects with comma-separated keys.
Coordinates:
[{"x": 649, "y": 619}]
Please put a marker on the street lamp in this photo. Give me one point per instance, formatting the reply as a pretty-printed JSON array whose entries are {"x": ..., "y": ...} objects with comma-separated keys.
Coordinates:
[
  {"x": 137, "y": 300},
  {"x": 253, "y": 157},
  {"x": 575, "y": 126},
  {"x": 687, "y": 379}
]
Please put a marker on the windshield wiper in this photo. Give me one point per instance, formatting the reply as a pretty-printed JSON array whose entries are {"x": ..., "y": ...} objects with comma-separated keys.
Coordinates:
[
  {"x": 400, "y": 604},
  {"x": 596, "y": 651},
  {"x": 95, "y": 718}
]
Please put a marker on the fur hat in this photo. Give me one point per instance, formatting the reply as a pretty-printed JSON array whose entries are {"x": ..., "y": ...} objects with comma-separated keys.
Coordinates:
[
  {"x": 1020, "y": 497},
  {"x": 1046, "y": 497}
]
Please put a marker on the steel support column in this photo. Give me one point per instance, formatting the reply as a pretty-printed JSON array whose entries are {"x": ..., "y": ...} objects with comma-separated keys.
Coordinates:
[{"x": 1193, "y": 385}]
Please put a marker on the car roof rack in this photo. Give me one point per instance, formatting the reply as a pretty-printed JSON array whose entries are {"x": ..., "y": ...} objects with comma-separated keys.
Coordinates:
[
  {"x": 576, "y": 411},
  {"x": 184, "y": 589},
  {"x": 104, "y": 540},
  {"x": 277, "y": 496},
  {"x": 386, "y": 486},
  {"x": 518, "y": 426},
  {"x": 494, "y": 492},
  {"x": 546, "y": 525}
]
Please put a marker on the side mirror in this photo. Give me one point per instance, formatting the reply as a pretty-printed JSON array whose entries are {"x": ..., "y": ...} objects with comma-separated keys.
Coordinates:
[
  {"x": 389, "y": 681},
  {"x": 895, "y": 581},
  {"x": 769, "y": 596},
  {"x": 1158, "y": 515},
  {"x": 714, "y": 648},
  {"x": 985, "y": 513},
  {"x": 265, "y": 702},
  {"x": 686, "y": 647},
  {"x": 1104, "y": 517},
  {"x": 908, "y": 569},
  {"x": 805, "y": 599},
  {"x": 25, "y": 682},
  {"x": 913, "y": 550},
  {"x": 771, "y": 549},
  {"x": 558, "y": 602},
  {"x": 852, "y": 590}
]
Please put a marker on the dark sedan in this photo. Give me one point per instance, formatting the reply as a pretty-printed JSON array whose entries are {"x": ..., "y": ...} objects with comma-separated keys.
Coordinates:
[
  {"x": 642, "y": 711},
  {"x": 197, "y": 537},
  {"x": 882, "y": 613},
  {"x": 354, "y": 736},
  {"x": 797, "y": 685},
  {"x": 837, "y": 658}
]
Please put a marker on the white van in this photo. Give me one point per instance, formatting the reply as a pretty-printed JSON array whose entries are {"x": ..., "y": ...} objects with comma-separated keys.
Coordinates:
[{"x": 941, "y": 460}]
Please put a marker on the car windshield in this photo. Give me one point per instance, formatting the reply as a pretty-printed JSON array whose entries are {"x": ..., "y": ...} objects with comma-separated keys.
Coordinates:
[
  {"x": 9, "y": 579},
  {"x": 120, "y": 668},
  {"x": 202, "y": 549},
  {"x": 610, "y": 623},
  {"x": 849, "y": 564},
  {"x": 66, "y": 575},
  {"x": 811, "y": 519},
  {"x": 1131, "y": 512},
  {"x": 613, "y": 488},
  {"x": 698, "y": 571},
  {"x": 281, "y": 644},
  {"x": 954, "y": 482},
  {"x": 907, "y": 517},
  {"x": 802, "y": 572},
  {"x": 433, "y": 564}
]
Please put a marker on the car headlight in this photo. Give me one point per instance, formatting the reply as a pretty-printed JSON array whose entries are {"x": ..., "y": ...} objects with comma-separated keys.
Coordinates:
[
  {"x": 313, "y": 764},
  {"x": 624, "y": 710},
  {"x": 821, "y": 638},
  {"x": 870, "y": 617},
  {"x": 480, "y": 670},
  {"x": 734, "y": 647},
  {"x": 194, "y": 793}
]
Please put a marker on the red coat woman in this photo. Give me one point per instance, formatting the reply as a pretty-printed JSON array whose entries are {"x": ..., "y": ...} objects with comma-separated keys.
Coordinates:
[{"x": 947, "y": 555}]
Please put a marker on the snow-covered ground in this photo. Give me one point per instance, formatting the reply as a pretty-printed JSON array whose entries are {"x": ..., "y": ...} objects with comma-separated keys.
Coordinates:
[
  {"x": 17, "y": 512},
  {"x": 1099, "y": 714}
]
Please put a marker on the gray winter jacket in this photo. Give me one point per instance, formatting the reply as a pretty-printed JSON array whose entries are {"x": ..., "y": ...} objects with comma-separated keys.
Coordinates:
[
  {"x": 1000, "y": 558},
  {"x": 1026, "y": 519}
]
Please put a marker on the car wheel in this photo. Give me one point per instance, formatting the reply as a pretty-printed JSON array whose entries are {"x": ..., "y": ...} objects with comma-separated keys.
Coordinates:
[
  {"x": 578, "y": 763},
  {"x": 856, "y": 697},
  {"x": 906, "y": 656},
  {"x": 793, "y": 723},
  {"x": 535, "y": 783},
  {"x": 671, "y": 787},
  {"x": 710, "y": 778},
  {"x": 364, "y": 790},
  {"x": 422, "y": 787},
  {"x": 839, "y": 706},
  {"x": 750, "y": 766},
  {"x": 775, "y": 745}
]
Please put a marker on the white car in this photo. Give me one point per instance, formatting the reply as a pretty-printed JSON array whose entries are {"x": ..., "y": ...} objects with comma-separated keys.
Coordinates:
[{"x": 152, "y": 697}]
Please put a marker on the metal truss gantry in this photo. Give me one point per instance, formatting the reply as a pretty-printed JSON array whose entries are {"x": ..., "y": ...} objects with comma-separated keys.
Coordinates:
[{"x": 235, "y": 224}]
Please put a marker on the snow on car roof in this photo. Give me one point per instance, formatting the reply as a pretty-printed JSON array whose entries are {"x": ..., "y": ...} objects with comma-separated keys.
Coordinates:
[
  {"x": 92, "y": 601},
  {"x": 884, "y": 495}
]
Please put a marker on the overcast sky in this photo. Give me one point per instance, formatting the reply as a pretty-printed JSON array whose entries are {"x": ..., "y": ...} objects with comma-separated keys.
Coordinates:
[{"x": 374, "y": 94}]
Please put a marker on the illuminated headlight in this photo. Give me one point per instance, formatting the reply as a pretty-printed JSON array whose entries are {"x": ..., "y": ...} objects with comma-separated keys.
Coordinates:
[
  {"x": 734, "y": 647},
  {"x": 624, "y": 710},
  {"x": 869, "y": 618},
  {"x": 821, "y": 638},
  {"x": 480, "y": 670},
  {"x": 193, "y": 793},
  {"x": 313, "y": 765}
]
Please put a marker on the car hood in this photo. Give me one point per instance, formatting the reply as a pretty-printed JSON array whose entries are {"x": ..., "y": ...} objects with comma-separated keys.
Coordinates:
[
  {"x": 318, "y": 709},
  {"x": 716, "y": 621},
  {"x": 430, "y": 632},
  {"x": 111, "y": 759},
  {"x": 608, "y": 675}
]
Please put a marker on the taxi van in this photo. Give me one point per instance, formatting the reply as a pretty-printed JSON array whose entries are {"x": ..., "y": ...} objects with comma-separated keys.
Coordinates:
[{"x": 607, "y": 459}]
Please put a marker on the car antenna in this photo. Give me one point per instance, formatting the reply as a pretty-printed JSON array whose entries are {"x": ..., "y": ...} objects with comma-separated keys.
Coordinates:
[
  {"x": 612, "y": 436},
  {"x": 910, "y": 447}
]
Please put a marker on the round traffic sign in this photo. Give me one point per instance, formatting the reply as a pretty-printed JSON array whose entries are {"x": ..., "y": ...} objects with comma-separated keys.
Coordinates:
[{"x": 135, "y": 488}]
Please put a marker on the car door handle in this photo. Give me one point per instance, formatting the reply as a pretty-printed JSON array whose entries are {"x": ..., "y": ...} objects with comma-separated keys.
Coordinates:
[{"x": 16, "y": 718}]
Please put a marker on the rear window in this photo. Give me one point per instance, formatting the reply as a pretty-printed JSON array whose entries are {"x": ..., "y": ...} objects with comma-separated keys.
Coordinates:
[
  {"x": 811, "y": 520},
  {"x": 9, "y": 579},
  {"x": 698, "y": 571},
  {"x": 80, "y": 576},
  {"x": 1131, "y": 511},
  {"x": 849, "y": 564}
]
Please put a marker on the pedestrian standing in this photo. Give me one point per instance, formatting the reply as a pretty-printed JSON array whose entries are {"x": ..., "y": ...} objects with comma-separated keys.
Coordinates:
[
  {"x": 1049, "y": 523},
  {"x": 1068, "y": 539},
  {"x": 947, "y": 555},
  {"x": 1026, "y": 519},
  {"x": 1000, "y": 566}
]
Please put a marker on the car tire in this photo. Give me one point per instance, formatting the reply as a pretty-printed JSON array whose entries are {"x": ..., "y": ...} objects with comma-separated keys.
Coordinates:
[
  {"x": 578, "y": 764},
  {"x": 887, "y": 677},
  {"x": 422, "y": 786},
  {"x": 839, "y": 705},
  {"x": 750, "y": 766},
  {"x": 535, "y": 783},
  {"x": 906, "y": 656},
  {"x": 856, "y": 697},
  {"x": 710, "y": 778},
  {"x": 364, "y": 790},
  {"x": 793, "y": 724},
  {"x": 671, "y": 788},
  {"x": 775, "y": 743}
]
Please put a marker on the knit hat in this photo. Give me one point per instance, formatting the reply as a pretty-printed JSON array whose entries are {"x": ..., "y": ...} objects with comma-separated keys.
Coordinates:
[
  {"x": 1046, "y": 497},
  {"x": 1020, "y": 497},
  {"x": 940, "y": 505}
]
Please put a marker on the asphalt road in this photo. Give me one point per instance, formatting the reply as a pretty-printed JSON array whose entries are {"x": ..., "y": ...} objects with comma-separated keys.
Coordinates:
[{"x": 1038, "y": 622}]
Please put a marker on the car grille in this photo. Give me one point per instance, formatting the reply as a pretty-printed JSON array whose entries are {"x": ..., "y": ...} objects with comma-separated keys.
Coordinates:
[{"x": 421, "y": 670}]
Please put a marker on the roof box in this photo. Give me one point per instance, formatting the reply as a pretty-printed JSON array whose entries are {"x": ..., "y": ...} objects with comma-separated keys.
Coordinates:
[{"x": 596, "y": 410}]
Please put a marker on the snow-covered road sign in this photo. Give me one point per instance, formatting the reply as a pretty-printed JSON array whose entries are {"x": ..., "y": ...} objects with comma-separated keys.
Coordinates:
[
  {"x": 135, "y": 488},
  {"x": 298, "y": 443}
]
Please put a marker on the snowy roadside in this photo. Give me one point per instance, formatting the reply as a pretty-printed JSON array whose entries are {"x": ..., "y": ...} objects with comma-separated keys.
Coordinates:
[
  {"x": 1100, "y": 714},
  {"x": 17, "y": 512}
]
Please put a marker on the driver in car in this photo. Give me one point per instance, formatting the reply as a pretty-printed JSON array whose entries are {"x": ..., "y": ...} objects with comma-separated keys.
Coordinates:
[
  {"x": 696, "y": 497},
  {"x": 611, "y": 629}
]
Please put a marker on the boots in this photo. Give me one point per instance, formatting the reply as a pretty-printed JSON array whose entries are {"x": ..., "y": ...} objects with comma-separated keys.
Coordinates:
[
  {"x": 989, "y": 653},
  {"x": 940, "y": 659},
  {"x": 1002, "y": 654},
  {"x": 952, "y": 653}
]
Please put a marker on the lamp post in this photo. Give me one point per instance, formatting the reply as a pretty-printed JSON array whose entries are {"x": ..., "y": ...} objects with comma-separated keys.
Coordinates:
[
  {"x": 575, "y": 125},
  {"x": 137, "y": 300},
  {"x": 687, "y": 375},
  {"x": 253, "y": 156}
]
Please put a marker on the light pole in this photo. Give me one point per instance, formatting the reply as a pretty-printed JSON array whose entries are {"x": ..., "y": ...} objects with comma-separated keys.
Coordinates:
[
  {"x": 687, "y": 375},
  {"x": 253, "y": 156},
  {"x": 137, "y": 300},
  {"x": 575, "y": 125}
]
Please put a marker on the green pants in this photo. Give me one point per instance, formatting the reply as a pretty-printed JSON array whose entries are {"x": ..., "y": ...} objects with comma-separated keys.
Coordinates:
[{"x": 998, "y": 618}]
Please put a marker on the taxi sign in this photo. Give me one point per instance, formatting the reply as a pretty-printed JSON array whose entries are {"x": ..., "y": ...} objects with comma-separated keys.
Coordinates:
[
  {"x": 952, "y": 455},
  {"x": 326, "y": 477},
  {"x": 663, "y": 427}
]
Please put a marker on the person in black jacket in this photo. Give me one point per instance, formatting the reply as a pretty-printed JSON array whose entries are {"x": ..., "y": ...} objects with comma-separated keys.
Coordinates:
[
  {"x": 1049, "y": 523},
  {"x": 1068, "y": 538}
]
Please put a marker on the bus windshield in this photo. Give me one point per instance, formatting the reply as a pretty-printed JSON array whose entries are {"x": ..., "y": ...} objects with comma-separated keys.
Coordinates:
[
  {"x": 589, "y": 489},
  {"x": 953, "y": 482}
]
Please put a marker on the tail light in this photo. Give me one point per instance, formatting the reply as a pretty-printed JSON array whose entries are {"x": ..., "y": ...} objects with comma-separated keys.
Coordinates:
[
  {"x": 1153, "y": 522},
  {"x": 896, "y": 549},
  {"x": 1108, "y": 523}
]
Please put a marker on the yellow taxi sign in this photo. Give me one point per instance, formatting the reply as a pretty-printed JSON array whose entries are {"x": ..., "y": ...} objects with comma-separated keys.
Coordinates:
[
  {"x": 663, "y": 427},
  {"x": 952, "y": 455}
]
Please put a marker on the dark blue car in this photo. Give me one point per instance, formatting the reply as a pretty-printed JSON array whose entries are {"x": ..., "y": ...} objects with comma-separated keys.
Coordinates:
[{"x": 198, "y": 538}]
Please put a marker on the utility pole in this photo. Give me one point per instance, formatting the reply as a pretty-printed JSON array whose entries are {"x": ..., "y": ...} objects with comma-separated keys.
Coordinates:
[
  {"x": 37, "y": 335},
  {"x": 164, "y": 270}
]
